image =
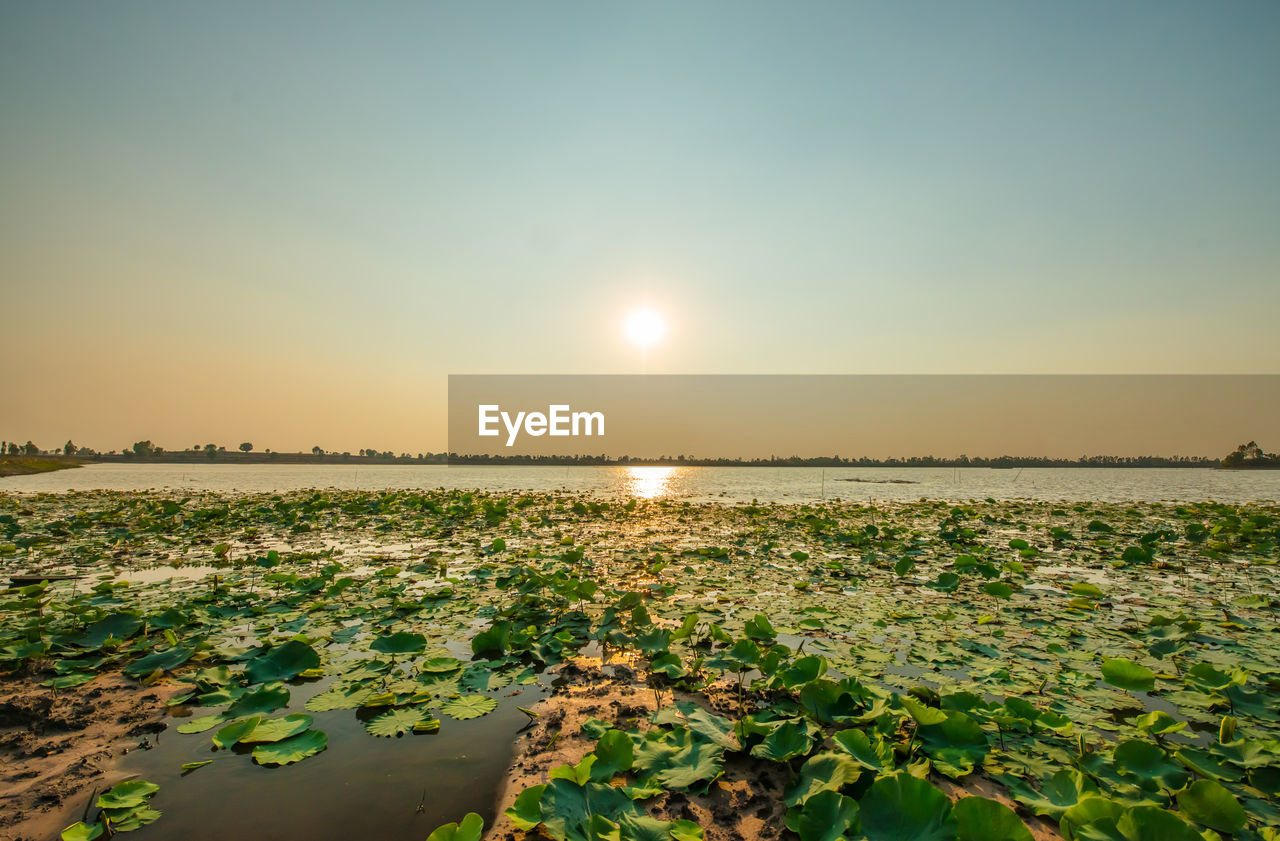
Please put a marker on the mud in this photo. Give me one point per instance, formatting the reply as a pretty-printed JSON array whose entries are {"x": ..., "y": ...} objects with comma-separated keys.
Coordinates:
[{"x": 58, "y": 747}]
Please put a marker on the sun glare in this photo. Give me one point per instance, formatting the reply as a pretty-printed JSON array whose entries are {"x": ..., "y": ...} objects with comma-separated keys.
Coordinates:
[
  {"x": 644, "y": 327},
  {"x": 649, "y": 482}
]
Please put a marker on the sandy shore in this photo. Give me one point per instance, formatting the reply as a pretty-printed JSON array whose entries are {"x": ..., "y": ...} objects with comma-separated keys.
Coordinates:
[{"x": 59, "y": 748}]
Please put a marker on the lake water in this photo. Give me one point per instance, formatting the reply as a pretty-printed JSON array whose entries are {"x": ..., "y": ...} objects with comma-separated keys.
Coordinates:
[{"x": 695, "y": 484}]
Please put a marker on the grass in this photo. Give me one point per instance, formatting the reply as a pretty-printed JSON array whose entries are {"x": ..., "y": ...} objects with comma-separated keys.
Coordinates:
[{"x": 26, "y": 465}]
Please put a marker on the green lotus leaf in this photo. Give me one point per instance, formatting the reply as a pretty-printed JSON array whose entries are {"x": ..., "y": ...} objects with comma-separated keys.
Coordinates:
[
  {"x": 283, "y": 662},
  {"x": 484, "y": 680},
  {"x": 493, "y": 641},
  {"x": 923, "y": 714},
  {"x": 580, "y": 773},
  {"x": 127, "y": 820},
  {"x": 70, "y": 680},
  {"x": 668, "y": 664},
  {"x": 685, "y": 831},
  {"x": 1127, "y": 674},
  {"x": 120, "y": 626},
  {"x": 291, "y": 750},
  {"x": 826, "y": 816},
  {"x": 634, "y": 826},
  {"x": 1159, "y": 723},
  {"x": 269, "y": 698},
  {"x": 1208, "y": 802},
  {"x": 980, "y": 819},
  {"x": 787, "y": 741},
  {"x": 900, "y": 807},
  {"x": 678, "y": 759},
  {"x": 526, "y": 812},
  {"x": 1205, "y": 765},
  {"x": 1058, "y": 793},
  {"x": 760, "y": 629},
  {"x": 614, "y": 754},
  {"x": 822, "y": 772},
  {"x": 469, "y": 706},
  {"x": 955, "y": 745},
  {"x": 440, "y": 665},
  {"x": 1083, "y": 588},
  {"x": 232, "y": 733},
  {"x": 1092, "y": 818},
  {"x": 946, "y": 582},
  {"x": 158, "y": 661},
  {"x": 468, "y": 829},
  {"x": 201, "y": 724},
  {"x": 707, "y": 725},
  {"x": 567, "y": 808},
  {"x": 1248, "y": 753},
  {"x": 394, "y": 722},
  {"x": 803, "y": 670},
  {"x": 998, "y": 589},
  {"x": 339, "y": 699},
  {"x": 1150, "y": 764},
  {"x": 876, "y": 756},
  {"x": 1151, "y": 823},
  {"x": 81, "y": 831},
  {"x": 403, "y": 642},
  {"x": 1210, "y": 679},
  {"x": 276, "y": 729},
  {"x": 127, "y": 795}
]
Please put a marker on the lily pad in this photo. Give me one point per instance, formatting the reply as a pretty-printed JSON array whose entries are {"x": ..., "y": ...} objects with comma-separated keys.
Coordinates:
[{"x": 291, "y": 750}]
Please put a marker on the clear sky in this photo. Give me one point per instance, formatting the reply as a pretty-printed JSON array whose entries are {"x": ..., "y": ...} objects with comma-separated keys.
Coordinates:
[{"x": 288, "y": 222}]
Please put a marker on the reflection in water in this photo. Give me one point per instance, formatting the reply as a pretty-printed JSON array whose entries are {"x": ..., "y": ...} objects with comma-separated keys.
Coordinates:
[
  {"x": 649, "y": 482},
  {"x": 694, "y": 484}
]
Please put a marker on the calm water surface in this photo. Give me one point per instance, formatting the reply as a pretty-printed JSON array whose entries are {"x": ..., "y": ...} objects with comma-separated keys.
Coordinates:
[{"x": 695, "y": 484}]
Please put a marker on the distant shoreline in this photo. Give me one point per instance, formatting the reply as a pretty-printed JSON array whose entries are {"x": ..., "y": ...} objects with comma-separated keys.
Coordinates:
[
  {"x": 52, "y": 462},
  {"x": 28, "y": 465}
]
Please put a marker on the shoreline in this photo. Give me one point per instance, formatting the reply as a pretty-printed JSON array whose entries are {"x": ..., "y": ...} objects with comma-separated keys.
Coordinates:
[{"x": 31, "y": 465}]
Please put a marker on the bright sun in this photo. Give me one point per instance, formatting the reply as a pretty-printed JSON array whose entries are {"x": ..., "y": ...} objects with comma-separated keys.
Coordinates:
[{"x": 645, "y": 327}]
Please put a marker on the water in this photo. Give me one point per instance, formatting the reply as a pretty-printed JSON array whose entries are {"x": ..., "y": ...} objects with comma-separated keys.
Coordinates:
[
  {"x": 694, "y": 484},
  {"x": 360, "y": 786}
]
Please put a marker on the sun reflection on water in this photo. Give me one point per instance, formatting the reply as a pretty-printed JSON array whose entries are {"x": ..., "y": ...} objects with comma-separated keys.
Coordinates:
[{"x": 649, "y": 482}]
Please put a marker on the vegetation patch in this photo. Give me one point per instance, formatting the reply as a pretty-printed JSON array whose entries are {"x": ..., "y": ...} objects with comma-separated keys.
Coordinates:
[{"x": 827, "y": 671}]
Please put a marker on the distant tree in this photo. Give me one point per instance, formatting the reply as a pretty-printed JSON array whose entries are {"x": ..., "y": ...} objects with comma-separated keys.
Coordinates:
[
  {"x": 143, "y": 449},
  {"x": 31, "y": 449},
  {"x": 211, "y": 450},
  {"x": 1249, "y": 455},
  {"x": 246, "y": 447},
  {"x": 68, "y": 449},
  {"x": 13, "y": 448},
  {"x": 316, "y": 451}
]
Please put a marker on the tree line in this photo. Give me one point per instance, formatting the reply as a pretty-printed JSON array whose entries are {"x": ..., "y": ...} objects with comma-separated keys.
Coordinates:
[{"x": 1245, "y": 456}]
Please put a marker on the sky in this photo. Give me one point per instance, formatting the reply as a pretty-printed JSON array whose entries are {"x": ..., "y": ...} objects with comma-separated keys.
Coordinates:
[{"x": 288, "y": 223}]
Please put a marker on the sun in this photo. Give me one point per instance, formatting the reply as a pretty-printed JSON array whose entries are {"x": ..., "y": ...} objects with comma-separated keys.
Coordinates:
[{"x": 644, "y": 327}]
